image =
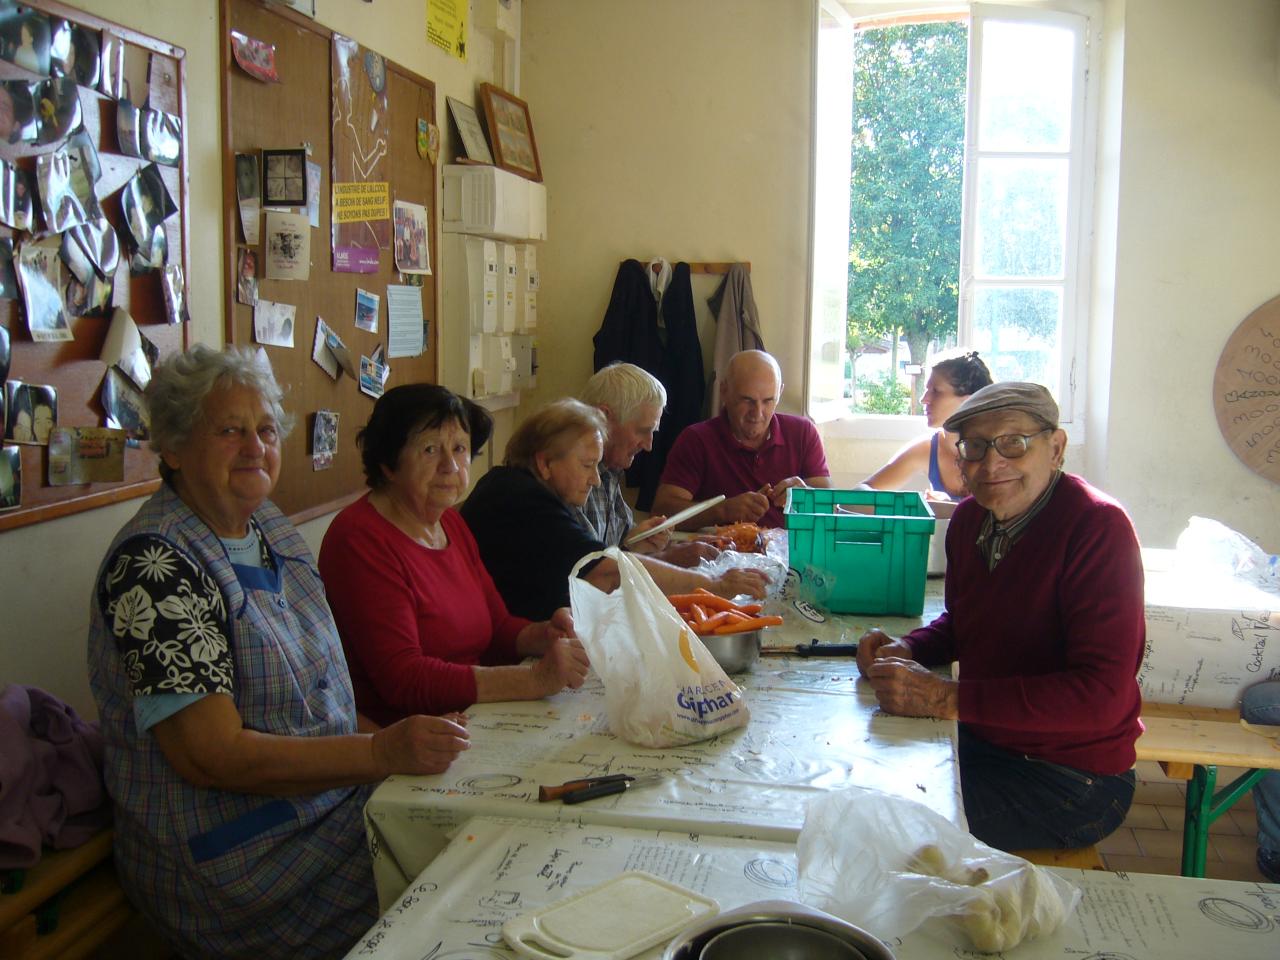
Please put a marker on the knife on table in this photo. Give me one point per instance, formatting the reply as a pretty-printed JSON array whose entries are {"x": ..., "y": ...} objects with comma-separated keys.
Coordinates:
[
  {"x": 610, "y": 787},
  {"x": 815, "y": 649},
  {"x": 546, "y": 794}
]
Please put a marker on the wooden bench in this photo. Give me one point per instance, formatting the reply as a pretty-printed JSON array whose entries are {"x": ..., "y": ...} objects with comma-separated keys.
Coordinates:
[
  {"x": 64, "y": 907},
  {"x": 1191, "y": 743}
]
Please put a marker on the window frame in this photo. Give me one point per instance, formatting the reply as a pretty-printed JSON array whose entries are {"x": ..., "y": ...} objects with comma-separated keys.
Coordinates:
[{"x": 1082, "y": 16}]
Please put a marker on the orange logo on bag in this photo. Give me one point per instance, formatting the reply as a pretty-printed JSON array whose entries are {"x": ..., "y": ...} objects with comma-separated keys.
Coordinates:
[{"x": 687, "y": 653}]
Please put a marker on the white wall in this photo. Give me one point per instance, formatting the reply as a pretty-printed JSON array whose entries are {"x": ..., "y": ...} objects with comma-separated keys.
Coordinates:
[
  {"x": 1196, "y": 251},
  {"x": 47, "y": 570}
]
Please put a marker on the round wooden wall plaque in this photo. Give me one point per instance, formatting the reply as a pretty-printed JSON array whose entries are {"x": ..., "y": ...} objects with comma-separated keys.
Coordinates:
[{"x": 1246, "y": 391}]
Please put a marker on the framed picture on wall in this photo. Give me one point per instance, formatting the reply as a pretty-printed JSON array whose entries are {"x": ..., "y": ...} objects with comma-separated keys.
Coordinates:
[
  {"x": 469, "y": 129},
  {"x": 510, "y": 132}
]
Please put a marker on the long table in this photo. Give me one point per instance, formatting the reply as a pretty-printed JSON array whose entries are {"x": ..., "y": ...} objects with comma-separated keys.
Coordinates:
[
  {"x": 497, "y": 869},
  {"x": 813, "y": 728}
]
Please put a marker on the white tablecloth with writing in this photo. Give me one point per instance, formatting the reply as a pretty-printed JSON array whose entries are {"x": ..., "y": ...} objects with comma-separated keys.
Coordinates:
[
  {"x": 498, "y": 869},
  {"x": 813, "y": 728}
]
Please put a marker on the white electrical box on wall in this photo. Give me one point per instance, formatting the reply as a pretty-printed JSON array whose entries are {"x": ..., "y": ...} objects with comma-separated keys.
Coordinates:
[
  {"x": 526, "y": 288},
  {"x": 492, "y": 202},
  {"x": 509, "y": 288}
]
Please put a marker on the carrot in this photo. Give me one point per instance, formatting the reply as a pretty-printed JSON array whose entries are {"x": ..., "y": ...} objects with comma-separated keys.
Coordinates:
[
  {"x": 704, "y": 591},
  {"x": 714, "y": 622},
  {"x": 699, "y": 614},
  {"x": 751, "y": 608},
  {"x": 736, "y": 615},
  {"x": 743, "y": 626},
  {"x": 708, "y": 601}
]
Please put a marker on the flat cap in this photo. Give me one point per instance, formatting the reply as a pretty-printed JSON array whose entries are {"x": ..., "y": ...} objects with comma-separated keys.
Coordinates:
[{"x": 1007, "y": 395}]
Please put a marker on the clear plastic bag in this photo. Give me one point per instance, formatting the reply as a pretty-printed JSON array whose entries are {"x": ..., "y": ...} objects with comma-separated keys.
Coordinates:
[
  {"x": 662, "y": 687},
  {"x": 1207, "y": 547},
  {"x": 888, "y": 865}
]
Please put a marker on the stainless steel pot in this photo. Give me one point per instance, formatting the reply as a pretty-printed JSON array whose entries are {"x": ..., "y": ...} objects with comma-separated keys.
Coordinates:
[
  {"x": 775, "y": 930},
  {"x": 735, "y": 652}
]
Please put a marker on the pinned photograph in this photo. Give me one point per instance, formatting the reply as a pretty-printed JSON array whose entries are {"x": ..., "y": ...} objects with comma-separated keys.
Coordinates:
[
  {"x": 18, "y": 120},
  {"x": 10, "y": 478},
  {"x": 97, "y": 244},
  {"x": 17, "y": 206},
  {"x": 31, "y": 412},
  {"x": 288, "y": 250},
  {"x": 247, "y": 277},
  {"x": 249, "y": 194},
  {"x": 57, "y": 109},
  {"x": 127, "y": 135},
  {"x": 146, "y": 204},
  {"x": 24, "y": 38},
  {"x": 320, "y": 351},
  {"x": 256, "y": 57},
  {"x": 41, "y": 276},
  {"x": 76, "y": 53},
  {"x": 273, "y": 323},
  {"x": 285, "y": 180},
  {"x": 111, "y": 81},
  {"x": 86, "y": 455},
  {"x": 410, "y": 238},
  {"x": 86, "y": 299},
  {"x": 175, "y": 294},
  {"x": 123, "y": 349},
  {"x": 9, "y": 290},
  {"x": 124, "y": 406},
  {"x": 340, "y": 353},
  {"x": 324, "y": 439},
  {"x": 5, "y": 355},
  {"x": 371, "y": 377},
  {"x": 66, "y": 178},
  {"x": 161, "y": 136},
  {"x": 152, "y": 255},
  {"x": 367, "y": 310}
]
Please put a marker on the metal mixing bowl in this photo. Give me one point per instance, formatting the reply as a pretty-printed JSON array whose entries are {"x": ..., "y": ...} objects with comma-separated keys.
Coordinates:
[
  {"x": 775, "y": 930},
  {"x": 735, "y": 652}
]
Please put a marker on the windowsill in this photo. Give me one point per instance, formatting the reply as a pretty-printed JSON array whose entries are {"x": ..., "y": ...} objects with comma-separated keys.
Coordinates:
[{"x": 874, "y": 427}]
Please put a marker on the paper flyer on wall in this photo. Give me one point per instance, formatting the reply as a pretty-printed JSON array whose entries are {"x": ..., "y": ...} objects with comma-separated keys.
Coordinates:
[
  {"x": 86, "y": 455},
  {"x": 447, "y": 26},
  {"x": 361, "y": 131},
  {"x": 41, "y": 276},
  {"x": 288, "y": 249},
  {"x": 404, "y": 321}
]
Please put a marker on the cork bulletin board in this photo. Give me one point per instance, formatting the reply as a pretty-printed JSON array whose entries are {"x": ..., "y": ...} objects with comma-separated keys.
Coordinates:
[
  {"x": 150, "y": 72},
  {"x": 297, "y": 112}
]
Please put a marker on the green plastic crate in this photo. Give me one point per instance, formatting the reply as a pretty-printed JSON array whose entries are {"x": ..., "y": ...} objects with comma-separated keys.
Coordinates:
[{"x": 861, "y": 563}]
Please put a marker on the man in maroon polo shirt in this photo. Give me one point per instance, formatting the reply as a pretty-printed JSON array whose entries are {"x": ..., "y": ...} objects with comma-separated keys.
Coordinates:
[
  {"x": 1045, "y": 616},
  {"x": 749, "y": 453}
]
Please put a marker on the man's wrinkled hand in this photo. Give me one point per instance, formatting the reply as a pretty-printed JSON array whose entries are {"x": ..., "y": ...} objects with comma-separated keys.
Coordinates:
[{"x": 907, "y": 689}]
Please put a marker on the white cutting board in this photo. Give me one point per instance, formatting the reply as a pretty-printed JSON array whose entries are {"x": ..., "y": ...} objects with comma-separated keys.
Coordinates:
[{"x": 610, "y": 921}]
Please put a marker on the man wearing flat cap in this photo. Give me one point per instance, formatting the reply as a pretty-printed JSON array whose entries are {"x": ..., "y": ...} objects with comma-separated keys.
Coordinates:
[{"x": 1044, "y": 615}]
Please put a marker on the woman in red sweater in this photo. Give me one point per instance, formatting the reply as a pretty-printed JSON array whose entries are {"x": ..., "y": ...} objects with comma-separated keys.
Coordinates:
[{"x": 423, "y": 628}]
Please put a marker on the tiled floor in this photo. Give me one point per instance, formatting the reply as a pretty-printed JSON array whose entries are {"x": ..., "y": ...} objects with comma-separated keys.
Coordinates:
[{"x": 1150, "y": 841}]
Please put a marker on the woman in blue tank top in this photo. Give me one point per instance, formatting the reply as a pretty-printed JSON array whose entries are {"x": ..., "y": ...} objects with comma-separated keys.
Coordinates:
[{"x": 950, "y": 381}]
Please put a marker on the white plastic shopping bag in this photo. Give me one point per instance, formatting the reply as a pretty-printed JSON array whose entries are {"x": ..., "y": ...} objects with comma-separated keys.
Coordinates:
[{"x": 662, "y": 687}]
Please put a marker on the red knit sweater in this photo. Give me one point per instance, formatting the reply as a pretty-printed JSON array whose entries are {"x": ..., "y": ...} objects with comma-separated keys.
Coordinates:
[
  {"x": 413, "y": 621},
  {"x": 1049, "y": 643}
]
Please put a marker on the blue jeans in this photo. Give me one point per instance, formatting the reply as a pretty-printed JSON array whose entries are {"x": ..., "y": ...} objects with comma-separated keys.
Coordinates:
[
  {"x": 1014, "y": 802},
  {"x": 1261, "y": 704}
]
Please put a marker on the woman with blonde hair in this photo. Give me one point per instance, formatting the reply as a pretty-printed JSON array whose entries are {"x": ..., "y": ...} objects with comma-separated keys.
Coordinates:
[{"x": 526, "y": 516}]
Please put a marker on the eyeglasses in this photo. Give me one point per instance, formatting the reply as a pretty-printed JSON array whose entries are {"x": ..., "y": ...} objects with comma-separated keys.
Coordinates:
[{"x": 1011, "y": 446}]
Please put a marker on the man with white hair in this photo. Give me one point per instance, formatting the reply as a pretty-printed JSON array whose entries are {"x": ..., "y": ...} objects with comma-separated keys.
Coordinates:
[
  {"x": 632, "y": 401},
  {"x": 750, "y": 453}
]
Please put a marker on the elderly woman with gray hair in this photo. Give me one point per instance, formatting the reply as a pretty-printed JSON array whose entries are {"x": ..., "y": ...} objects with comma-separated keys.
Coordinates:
[{"x": 234, "y": 754}]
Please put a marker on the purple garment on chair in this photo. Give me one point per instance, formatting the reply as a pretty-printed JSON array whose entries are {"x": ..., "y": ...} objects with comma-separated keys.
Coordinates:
[{"x": 51, "y": 788}]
